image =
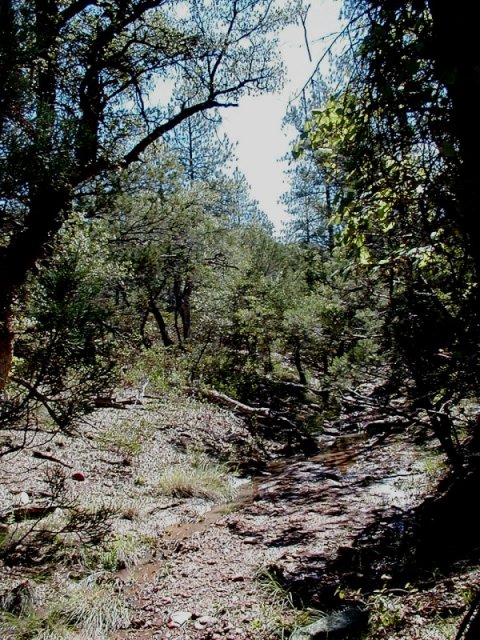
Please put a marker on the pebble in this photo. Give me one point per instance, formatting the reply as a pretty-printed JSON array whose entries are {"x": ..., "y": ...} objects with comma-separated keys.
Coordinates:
[
  {"x": 207, "y": 620},
  {"x": 178, "y": 618},
  {"x": 24, "y": 498}
]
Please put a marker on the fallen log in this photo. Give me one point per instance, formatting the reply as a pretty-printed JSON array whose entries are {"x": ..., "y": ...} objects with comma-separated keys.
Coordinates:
[
  {"x": 221, "y": 398},
  {"x": 255, "y": 412}
]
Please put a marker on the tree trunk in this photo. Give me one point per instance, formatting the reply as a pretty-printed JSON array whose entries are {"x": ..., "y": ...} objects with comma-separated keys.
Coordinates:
[
  {"x": 19, "y": 259},
  {"x": 6, "y": 346},
  {"x": 456, "y": 56},
  {"x": 297, "y": 358},
  {"x": 167, "y": 341}
]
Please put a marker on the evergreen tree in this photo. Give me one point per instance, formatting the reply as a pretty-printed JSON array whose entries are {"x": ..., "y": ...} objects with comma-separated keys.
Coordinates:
[{"x": 77, "y": 102}]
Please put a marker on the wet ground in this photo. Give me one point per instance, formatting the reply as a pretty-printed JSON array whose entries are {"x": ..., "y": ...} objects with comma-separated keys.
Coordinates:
[{"x": 293, "y": 520}]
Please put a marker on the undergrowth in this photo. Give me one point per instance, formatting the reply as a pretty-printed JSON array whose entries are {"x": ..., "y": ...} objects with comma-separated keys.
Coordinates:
[
  {"x": 198, "y": 478},
  {"x": 89, "y": 608},
  {"x": 280, "y": 618}
]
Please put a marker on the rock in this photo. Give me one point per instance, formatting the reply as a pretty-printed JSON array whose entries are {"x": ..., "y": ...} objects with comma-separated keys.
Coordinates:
[
  {"x": 24, "y": 498},
  {"x": 178, "y": 618},
  {"x": 349, "y": 622},
  {"x": 375, "y": 427},
  {"x": 79, "y": 476},
  {"x": 207, "y": 620},
  {"x": 331, "y": 431}
]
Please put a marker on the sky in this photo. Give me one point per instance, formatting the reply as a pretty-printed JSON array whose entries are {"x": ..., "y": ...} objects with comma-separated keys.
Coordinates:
[{"x": 256, "y": 124}]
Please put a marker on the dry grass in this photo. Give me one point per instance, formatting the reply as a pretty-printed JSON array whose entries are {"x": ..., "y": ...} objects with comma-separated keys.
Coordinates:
[
  {"x": 96, "y": 610},
  {"x": 89, "y": 611},
  {"x": 199, "y": 479}
]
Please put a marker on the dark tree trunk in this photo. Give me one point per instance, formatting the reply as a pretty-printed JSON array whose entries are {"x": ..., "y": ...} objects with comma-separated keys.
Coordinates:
[
  {"x": 47, "y": 205},
  {"x": 456, "y": 56},
  {"x": 297, "y": 358},
  {"x": 167, "y": 341},
  {"x": 182, "y": 308},
  {"x": 19, "y": 258}
]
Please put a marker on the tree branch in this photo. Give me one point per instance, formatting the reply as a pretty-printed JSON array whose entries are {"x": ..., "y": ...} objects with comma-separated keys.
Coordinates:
[
  {"x": 164, "y": 128},
  {"x": 74, "y": 9}
]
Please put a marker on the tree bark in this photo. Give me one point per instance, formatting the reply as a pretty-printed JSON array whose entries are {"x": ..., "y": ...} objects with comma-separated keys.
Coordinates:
[
  {"x": 167, "y": 341},
  {"x": 19, "y": 258},
  {"x": 456, "y": 56},
  {"x": 297, "y": 358}
]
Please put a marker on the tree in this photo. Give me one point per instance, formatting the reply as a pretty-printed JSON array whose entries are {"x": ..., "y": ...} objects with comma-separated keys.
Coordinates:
[
  {"x": 394, "y": 135},
  {"x": 313, "y": 191},
  {"x": 76, "y": 102},
  {"x": 68, "y": 345},
  {"x": 161, "y": 231},
  {"x": 199, "y": 148}
]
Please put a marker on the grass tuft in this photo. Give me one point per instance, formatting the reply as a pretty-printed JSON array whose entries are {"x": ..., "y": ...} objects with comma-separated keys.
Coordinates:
[
  {"x": 201, "y": 479},
  {"x": 96, "y": 610}
]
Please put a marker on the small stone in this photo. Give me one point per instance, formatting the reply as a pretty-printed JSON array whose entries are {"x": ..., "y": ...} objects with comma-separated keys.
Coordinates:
[
  {"x": 172, "y": 625},
  {"x": 79, "y": 476},
  {"x": 250, "y": 540},
  {"x": 207, "y": 620},
  {"x": 198, "y": 626},
  {"x": 180, "y": 617},
  {"x": 24, "y": 498}
]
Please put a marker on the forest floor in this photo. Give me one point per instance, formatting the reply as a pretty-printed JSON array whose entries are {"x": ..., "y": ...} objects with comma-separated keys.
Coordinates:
[{"x": 193, "y": 549}]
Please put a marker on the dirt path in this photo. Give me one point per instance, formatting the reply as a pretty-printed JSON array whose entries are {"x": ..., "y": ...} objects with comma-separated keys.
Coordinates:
[{"x": 205, "y": 586}]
